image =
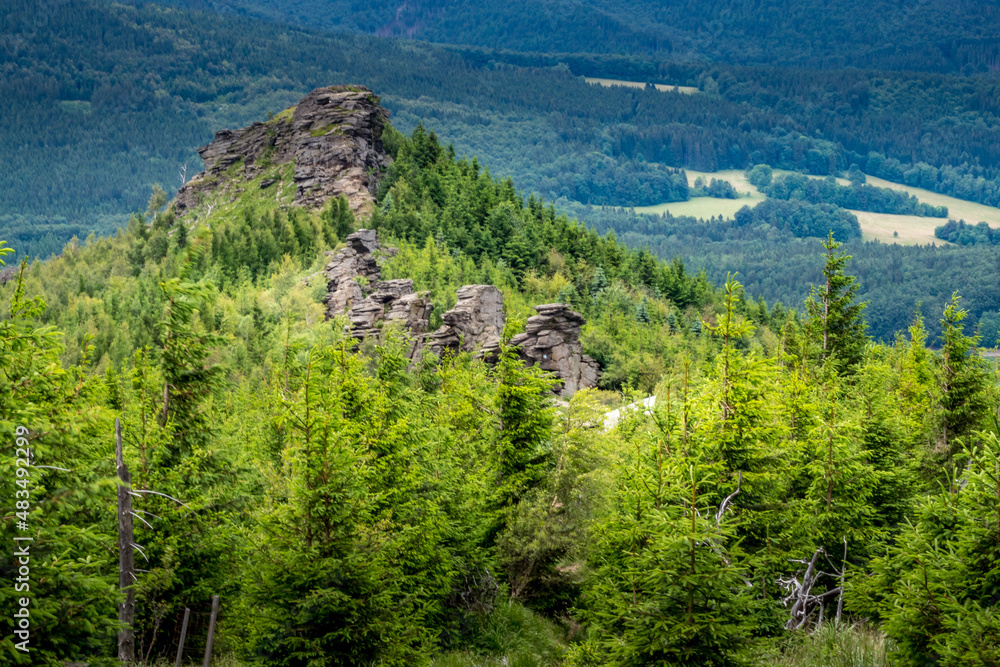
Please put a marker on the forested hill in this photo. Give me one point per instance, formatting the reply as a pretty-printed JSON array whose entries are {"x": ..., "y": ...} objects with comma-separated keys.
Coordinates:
[
  {"x": 797, "y": 491},
  {"x": 934, "y": 36},
  {"x": 99, "y": 101}
]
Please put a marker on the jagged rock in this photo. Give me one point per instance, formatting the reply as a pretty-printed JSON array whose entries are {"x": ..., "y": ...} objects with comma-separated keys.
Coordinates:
[
  {"x": 392, "y": 302},
  {"x": 476, "y": 321},
  {"x": 552, "y": 341},
  {"x": 333, "y": 137},
  {"x": 352, "y": 273}
]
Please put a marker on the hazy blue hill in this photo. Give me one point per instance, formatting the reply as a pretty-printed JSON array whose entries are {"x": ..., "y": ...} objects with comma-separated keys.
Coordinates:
[{"x": 935, "y": 35}]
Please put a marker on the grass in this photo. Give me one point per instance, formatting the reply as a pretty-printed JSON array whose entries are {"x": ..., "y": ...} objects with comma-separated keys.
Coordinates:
[
  {"x": 662, "y": 87},
  {"x": 958, "y": 209},
  {"x": 283, "y": 116},
  {"x": 325, "y": 130},
  {"x": 510, "y": 636},
  {"x": 884, "y": 227},
  {"x": 901, "y": 229},
  {"x": 857, "y": 645}
]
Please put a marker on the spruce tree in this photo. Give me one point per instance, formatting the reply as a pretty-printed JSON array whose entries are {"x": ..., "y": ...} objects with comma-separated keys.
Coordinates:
[
  {"x": 965, "y": 382},
  {"x": 836, "y": 321}
]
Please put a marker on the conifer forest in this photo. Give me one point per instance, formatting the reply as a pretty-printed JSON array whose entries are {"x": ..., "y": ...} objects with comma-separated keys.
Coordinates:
[{"x": 517, "y": 334}]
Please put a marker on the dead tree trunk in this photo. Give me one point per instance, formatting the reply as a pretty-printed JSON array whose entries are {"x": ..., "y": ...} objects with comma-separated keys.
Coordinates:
[{"x": 126, "y": 565}]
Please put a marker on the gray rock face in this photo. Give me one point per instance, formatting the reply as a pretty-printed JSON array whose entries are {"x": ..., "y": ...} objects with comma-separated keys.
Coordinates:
[
  {"x": 393, "y": 303},
  {"x": 7, "y": 274},
  {"x": 333, "y": 136},
  {"x": 476, "y": 322},
  {"x": 551, "y": 339},
  {"x": 352, "y": 273}
]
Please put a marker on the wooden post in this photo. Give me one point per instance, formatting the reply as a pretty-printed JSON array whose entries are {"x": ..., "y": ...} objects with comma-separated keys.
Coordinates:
[
  {"x": 126, "y": 565},
  {"x": 184, "y": 631},
  {"x": 211, "y": 630}
]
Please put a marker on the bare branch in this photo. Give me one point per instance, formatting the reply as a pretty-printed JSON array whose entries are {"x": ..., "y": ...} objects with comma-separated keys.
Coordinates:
[
  {"x": 141, "y": 519},
  {"x": 160, "y": 494},
  {"x": 725, "y": 503}
]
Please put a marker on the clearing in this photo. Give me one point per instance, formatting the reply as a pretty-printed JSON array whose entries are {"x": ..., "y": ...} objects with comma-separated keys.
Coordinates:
[
  {"x": 707, "y": 207},
  {"x": 911, "y": 229},
  {"x": 662, "y": 87}
]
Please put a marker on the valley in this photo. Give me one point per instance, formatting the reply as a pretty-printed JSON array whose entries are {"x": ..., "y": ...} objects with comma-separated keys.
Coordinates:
[
  {"x": 380, "y": 334},
  {"x": 884, "y": 227}
]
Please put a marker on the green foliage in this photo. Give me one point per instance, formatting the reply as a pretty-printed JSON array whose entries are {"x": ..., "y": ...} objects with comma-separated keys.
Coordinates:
[
  {"x": 525, "y": 421},
  {"x": 65, "y": 499},
  {"x": 857, "y": 196},
  {"x": 801, "y": 219},
  {"x": 935, "y": 588},
  {"x": 335, "y": 552},
  {"x": 967, "y": 390},
  {"x": 836, "y": 321}
]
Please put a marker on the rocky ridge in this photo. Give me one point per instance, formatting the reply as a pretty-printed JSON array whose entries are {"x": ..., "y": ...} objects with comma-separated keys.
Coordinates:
[
  {"x": 333, "y": 138},
  {"x": 475, "y": 324}
]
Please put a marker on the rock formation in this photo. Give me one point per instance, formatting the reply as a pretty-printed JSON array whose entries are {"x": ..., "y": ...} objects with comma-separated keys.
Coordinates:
[
  {"x": 393, "y": 301},
  {"x": 551, "y": 339},
  {"x": 352, "y": 273},
  {"x": 475, "y": 323},
  {"x": 333, "y": 137}
]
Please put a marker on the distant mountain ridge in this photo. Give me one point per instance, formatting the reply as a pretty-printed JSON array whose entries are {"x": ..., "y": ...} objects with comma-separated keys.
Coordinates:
[{"x": 922, "y": 35}]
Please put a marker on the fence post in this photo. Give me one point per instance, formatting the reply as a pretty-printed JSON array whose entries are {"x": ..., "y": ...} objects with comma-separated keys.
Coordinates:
[
  {"x": 184, "y": 631},
  {"x": 211, "y": 630},
  {"x": 126, "y": 564}
]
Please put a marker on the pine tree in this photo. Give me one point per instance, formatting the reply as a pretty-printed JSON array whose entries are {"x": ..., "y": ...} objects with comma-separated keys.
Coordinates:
[
  {"x": 523, "y": 403},
  {"x": 965, "y": 382},
  {"x": 836, "y": 322}
]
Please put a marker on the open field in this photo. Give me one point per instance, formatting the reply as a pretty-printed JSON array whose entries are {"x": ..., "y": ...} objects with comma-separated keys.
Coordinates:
[
  {"x": 662, "y": 87},
  {"x": 911, "y": 229},
  {"x": 958, "y": 209},
  {"x": 700, "y": 207},
  {"x": 707, "y": 207},
  {"x": 735, "y": 176}
]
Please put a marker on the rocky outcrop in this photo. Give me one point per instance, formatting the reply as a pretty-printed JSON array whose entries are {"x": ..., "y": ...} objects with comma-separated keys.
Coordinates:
[
  {"x": 393, "y": 301},
  {"x": 333, "y": 138},
  {"x": 352, "y": 273},
  {"x": 475, "y": 323},
  {"x": 551, "y": 340}
]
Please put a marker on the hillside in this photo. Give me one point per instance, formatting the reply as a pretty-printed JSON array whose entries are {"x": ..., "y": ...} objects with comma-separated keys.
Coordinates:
[
  {"x": 883, "y": 34},
  {"x": 77, "y": 85},
  {"x": 89, "y": 132},
  {"x": 347, "y": 377}
]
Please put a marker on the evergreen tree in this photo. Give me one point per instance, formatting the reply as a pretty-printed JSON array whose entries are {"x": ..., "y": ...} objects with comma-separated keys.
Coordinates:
[
  {"x": 965, "y": 382},
  {"x": 523, "y": 404},
  {"x": 836, "y": 322}
]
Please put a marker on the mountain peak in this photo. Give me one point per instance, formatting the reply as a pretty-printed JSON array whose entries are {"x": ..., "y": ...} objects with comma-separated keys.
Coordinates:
[{"x": 333, "y": 139}]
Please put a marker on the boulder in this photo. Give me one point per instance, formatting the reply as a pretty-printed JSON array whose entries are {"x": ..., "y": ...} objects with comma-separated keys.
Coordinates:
[
  {"x": 475, "y": 323},
  {"x": 552, "y": 341}
]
